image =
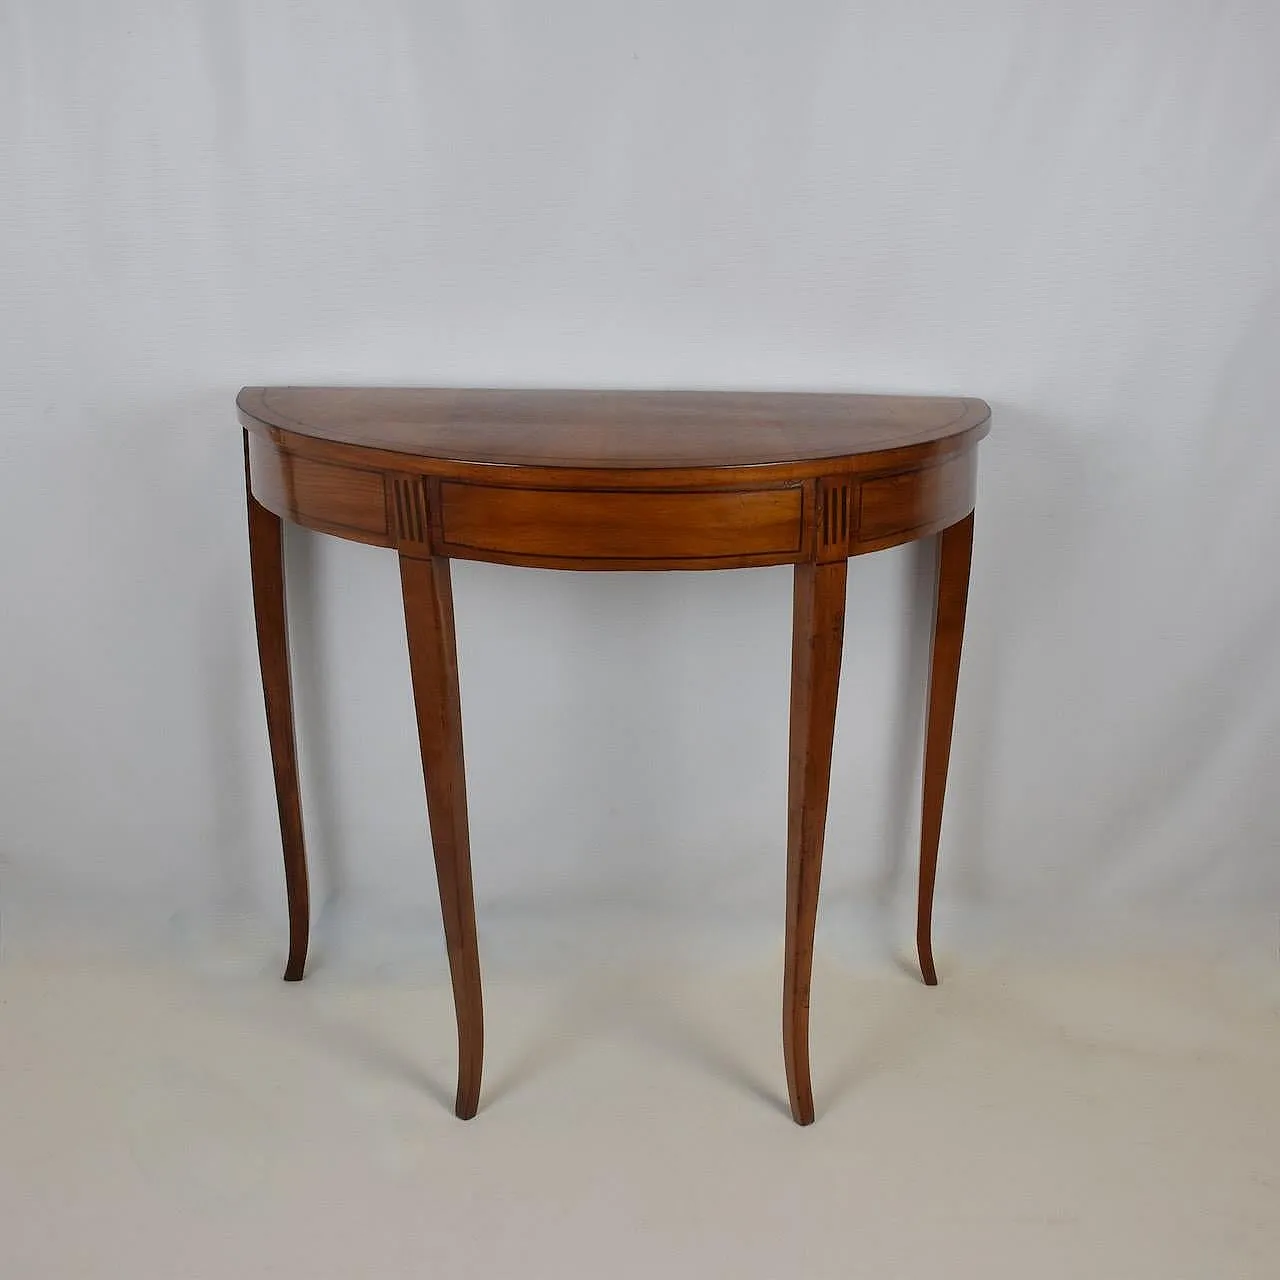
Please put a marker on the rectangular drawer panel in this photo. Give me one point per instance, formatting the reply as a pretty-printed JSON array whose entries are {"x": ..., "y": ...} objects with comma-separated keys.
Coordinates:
[{"x": 608, "y": 525}]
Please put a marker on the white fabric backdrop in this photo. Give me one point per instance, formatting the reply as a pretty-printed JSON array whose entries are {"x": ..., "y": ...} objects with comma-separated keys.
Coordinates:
[{"x": 1072, "y": 210}]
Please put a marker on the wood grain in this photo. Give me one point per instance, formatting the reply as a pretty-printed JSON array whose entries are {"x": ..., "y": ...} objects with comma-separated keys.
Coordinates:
[
  {"x": 348, "y": 496},
  {"x": 346, "y": 501},
  {"x": 901, "y": 503},
  {"x": 955, "y": 553},
  {"x": 266, "y": 567},
  {"x": 433, "y": 665},
  {"x": 604, "y": 439},
  {"x": 589, "y": 525},
  {"x": 817, "y": 640}
]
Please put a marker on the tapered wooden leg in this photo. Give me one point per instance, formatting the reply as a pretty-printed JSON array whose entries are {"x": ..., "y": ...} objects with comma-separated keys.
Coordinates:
[
  {"x": 266, "y": 561},
  {"x": 433, "y": 664},
  {"x": 816, "y": 644},
  {"x": 955, "y": 552}
]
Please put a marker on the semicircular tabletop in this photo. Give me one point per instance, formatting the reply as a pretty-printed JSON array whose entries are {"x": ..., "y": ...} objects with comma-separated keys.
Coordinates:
[{"x": 619, "y": 430}]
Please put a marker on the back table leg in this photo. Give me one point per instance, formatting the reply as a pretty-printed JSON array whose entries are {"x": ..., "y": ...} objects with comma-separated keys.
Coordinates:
[
  {"x": 955, "y": 552},
  {"x": 266, "y": 562}
]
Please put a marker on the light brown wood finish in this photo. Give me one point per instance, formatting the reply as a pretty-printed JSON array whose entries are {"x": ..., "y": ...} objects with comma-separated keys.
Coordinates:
[
  {"x": 951, "y": 596},
  {"x": 433, "y": 665},
  {"x": 569, "y": 436},
  {"x": 546, "y": 524},
  {"x": 266, "y": 565},
  {"x": 615, "y": 480},
  {"x": 817, "y": 642}
]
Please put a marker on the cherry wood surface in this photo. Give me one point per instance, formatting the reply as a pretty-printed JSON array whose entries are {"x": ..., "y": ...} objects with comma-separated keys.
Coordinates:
[
  {"x": 433, "y": 666},
  {"x": 951, "y": 595},
  {"x": 266, "y": 560},
  {"x": 462, "y": 431},
  {"x": 608, "y": 480},
  {"x": 817, "y": 641}
]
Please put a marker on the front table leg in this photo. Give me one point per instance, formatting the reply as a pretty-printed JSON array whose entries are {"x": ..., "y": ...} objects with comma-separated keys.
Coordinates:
[
  {"x": 816, "y": 644},
  {"x": 955, "y": 552},
  {"x": 433, "y": 665}
]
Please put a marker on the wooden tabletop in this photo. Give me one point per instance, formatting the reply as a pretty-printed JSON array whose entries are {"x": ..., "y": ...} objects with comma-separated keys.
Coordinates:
[{"x": 619, "y": 430}]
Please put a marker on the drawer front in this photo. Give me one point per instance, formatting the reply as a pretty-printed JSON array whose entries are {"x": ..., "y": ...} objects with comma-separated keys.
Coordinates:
[{"x": 758, "y": 525}]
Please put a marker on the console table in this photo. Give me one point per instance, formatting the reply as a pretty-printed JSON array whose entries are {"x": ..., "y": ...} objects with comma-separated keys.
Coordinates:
[{"x": 613, "y": 480}]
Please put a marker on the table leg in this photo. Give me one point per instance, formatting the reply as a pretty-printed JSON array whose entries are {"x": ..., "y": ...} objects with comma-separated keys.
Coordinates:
[
  {"x": 433, "y": 664},
  {"x": 955, "y": 552},
  {"x": 816, "y": 645},
  {"x": 266, "y": 563}
]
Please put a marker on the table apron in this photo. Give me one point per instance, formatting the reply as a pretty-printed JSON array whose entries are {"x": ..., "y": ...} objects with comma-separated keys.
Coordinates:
[{"x": 822, "y": 519}]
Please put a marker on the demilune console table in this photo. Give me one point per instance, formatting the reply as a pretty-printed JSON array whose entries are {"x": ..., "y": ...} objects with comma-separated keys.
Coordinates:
[{"x": 613, "y": 480}]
